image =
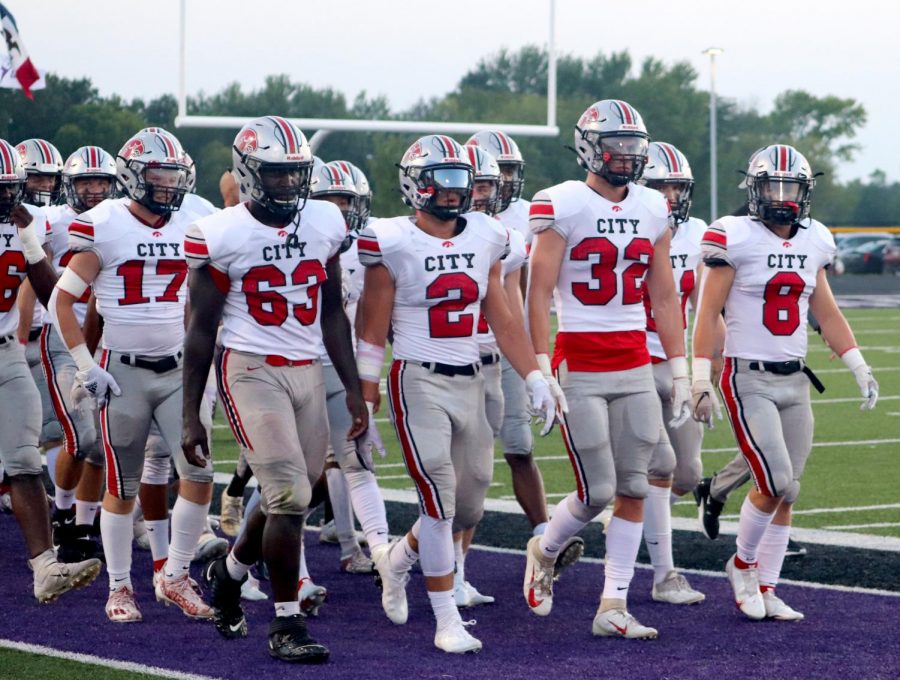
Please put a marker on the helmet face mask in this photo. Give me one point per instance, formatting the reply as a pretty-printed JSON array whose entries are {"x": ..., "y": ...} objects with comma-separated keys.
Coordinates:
[
  {"x": 779, "y": 185},
  {"x": 11, "y": 195},
  {"x": 43, "y": 189},
  {"x": 612, "y": 142},
  {"x": 152, "y": 171},
  {"x": 89, "y": 192},
  {"x": 43, "y": 165},
  {"x": 668, "y": 172},
  {"x": 486, "y": 196},
  {"x": 622, "y": 157},
  {"x": 88, "y": 163},
  {"x": 512, "y": 165},
  {"x": 163, "y": 188},
  {"x": 280, "y": 188},
  {"x": 679, "y": 193},
  {"x": 447, "y": 191}
]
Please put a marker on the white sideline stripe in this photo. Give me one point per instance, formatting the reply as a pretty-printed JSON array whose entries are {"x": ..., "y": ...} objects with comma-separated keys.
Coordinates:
[
  {"x": 868, "y": 348},
  {"x": 825, "y": 511},
  {"x": 847, "y": 400},
  {"x": 101, "y": 661},
  {"x": 877, "y": 525},
  {"x": 717, "y": 574},
  {"x": 817, "y": 536},
  {"x": 875, "y": 369}
]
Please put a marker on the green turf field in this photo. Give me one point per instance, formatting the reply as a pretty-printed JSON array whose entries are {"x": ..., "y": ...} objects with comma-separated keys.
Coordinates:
[
  {"x": 16, "y": 665},
  {"x": 848, "y": 474}
]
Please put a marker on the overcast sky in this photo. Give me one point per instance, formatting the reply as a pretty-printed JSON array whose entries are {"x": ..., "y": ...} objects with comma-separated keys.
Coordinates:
[{"x": 414, "y": 49}]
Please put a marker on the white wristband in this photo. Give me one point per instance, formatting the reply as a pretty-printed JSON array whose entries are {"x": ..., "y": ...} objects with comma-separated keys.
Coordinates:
[
  {"x": 701, "y": 367},
  {"x": 543, "y": 362},
  {"x": 679, "y": 367},
  {"x": 82, "y": 357},
  {"x": 31, "y": 247},
  {"x": 369, "y": 360},
  {"x": 853, "y": 359}
]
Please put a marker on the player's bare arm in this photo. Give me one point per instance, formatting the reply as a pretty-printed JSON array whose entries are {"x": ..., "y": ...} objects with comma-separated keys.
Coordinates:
[
  {"x": 546, "y": 257},
  {"x": 512, "y": 285},
  {"x": 25, "y": 302},
  {"x": 84, "y": 266},
  {"x": 199, "y": 346},
  {"x": 509, "y": 330},
  {"x": 708, "y": 339},
  {"x": 337, "y": 338},
  {"x": 93, "y": 326},
  {"x": 374, "y": 320},
  {"x": 40, "y": 273}
]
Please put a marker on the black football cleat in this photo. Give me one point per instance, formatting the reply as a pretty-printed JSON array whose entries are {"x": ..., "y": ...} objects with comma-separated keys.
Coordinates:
[
  {"x": 225, "y": 598},
  {"x": 289, "y": 641},
  {"x": 795, "y": 549},
  {"x": 79, "y": 545},
  {"x": 708, "y": 509}
]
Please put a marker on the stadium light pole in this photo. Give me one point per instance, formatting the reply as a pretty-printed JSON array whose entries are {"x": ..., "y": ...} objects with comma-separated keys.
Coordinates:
[{"x": 713, "y": 52}]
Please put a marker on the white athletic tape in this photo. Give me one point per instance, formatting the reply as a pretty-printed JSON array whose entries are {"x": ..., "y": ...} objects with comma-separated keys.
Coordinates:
[{"x": 73, "y": 284}]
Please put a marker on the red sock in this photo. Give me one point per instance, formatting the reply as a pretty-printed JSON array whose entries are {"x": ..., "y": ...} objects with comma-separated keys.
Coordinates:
[
  {"x": 159, "y": 564},
  {"x": 763, "y": 589},
  {"x": 740, "y": 564}
]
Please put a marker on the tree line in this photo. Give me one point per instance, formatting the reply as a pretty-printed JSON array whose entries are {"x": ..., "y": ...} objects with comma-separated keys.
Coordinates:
[{"x": 509, "y": 86}]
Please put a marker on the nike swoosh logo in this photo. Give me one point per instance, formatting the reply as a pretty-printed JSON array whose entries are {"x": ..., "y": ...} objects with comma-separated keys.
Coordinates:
[
  {"x": 68, "y": 521},
  {"x": 253, "y": 368},
  {"x": 119, "y": 580},
  {"x": 652, "y": 542},
  {"x": 533, "y": 602},
  {"x": 621, "y": 630},
  {"x": 236, "y": 627},
  {"x": 621, "y": 587}
]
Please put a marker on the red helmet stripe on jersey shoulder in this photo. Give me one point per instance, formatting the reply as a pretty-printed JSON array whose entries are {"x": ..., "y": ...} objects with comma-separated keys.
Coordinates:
[{"x": 541, "y": 210}]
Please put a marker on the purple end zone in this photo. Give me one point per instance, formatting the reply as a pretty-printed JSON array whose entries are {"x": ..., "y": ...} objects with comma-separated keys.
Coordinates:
[{"x": 844, "y": 634}]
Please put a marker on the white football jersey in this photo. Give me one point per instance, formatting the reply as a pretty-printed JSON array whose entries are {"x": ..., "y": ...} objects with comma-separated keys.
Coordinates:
[
  {"x": 515, "y": 218},
  {"x": 272, "y": 276},
  {"x": 513, "y": 262},
  {"x": 684, "y": 254},
  {"x": 196, "y": 207},
  {"x": 59, "y": 221},
  {"x": 352, "y": 277},
  {"x": 140, "y": 288},
  {"x": 766, "y": 308},
  {"x": 12, "y": 268},
  {"x": 439, "y": 284}
]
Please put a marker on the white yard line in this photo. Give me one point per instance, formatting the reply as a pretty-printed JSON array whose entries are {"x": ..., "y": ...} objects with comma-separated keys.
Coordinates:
[
  {"x": 101, "y": 661},
  {"x": 825, "y": 511},
  {"x": 868, "y": 348},
  {"x": 875, "y": 369},
  {"x": 847, "y": 400},
  {"x": 876, "y": 525}
]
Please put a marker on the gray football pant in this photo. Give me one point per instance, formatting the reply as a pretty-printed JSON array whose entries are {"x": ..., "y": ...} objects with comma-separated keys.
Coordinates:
[
  {"x": 51, "y": 430},
  {"x": 21, "y": 423}
]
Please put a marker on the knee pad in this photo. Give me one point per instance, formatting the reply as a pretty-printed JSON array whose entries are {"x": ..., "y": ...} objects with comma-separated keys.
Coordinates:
[
  {"x": 599, "y": 496},
  {"x": 515, "y": 435},
  {"x": 633, "y": 485},
  {"x": 662, "y": 463},
  {"x": 290, "y": 500},
  {"x": 687, "y": 475},
  {"x": 582, "y": 512},
  {"x": 791, "y": 492},
  {"x": 435, "y": 546},
  {"x": 156, "y": 470}
]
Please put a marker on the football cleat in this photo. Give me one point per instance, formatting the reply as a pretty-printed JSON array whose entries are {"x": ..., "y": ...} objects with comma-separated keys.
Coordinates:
[
  {"x": 79, "y": 545},
  {"x": 777, "y": 609},
  {"x": 231, "y": 514},
  {"x": 210, "y": 547},
  {"x": 182, "y": 593},
  {"x": 675, "y": 589},
  {"x": 328, "y": 533},
  {"x": 605, "y": 517},
  {"x": 141, "y": 539},
  {"x": 311, "y": 596},
  {"x": 453, "y": 638},
  {"x": 619, "y": 623},
  {"x": 357, "y": 563},
  {"x": 571, "y": 551},
  {"x": 467, "y": 595},
  {"x": 708, "y": 509},
  {"x": 794, "y": 549},
  {"x": 289, "y": 641},
  {"x": 225, "y": 597},
  {"x": 54, "y": 578},
  {"x": 393, "y": 584},
  {"x": 62, "y": 525},
  {"x": 747, "y": 596},
  {"x": 538, "y": 585},
  {"x": 121, "y": 607},
  {"x": 250, "y": 590}
]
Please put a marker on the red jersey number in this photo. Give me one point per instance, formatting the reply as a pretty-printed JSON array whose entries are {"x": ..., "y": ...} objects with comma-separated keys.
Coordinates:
[
  {"x": 12, "y": 273},
  {"x": 132, "y": 273},
  {"x": 685, "y": 285},
  {"x": 268, "y": 307},
  {"x": 603, "y": 271},
  {"x": 781, "y": 309},
  {"x": 456, "y": 292}
]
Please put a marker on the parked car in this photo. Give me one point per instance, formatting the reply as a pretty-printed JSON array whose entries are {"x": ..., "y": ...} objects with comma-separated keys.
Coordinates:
[
  {"x": 866, "y": 259},
  {"x": 891, "y": 256},
  {"x": 846, "y": 241}
]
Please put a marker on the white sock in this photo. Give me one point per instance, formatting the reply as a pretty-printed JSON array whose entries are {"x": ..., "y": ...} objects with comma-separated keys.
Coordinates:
[
  {"x": 623, "y": 538},
  {"x": 64, "y": 498},
  {"x": 403, "y": 556},
  {"x": 85, "y": 512},
  {"x": 236, "y": 569},
  {"x": 563, "y": 525},
  {"x": 304, "y": 572},
  {"x": 52, "y": 455},
  {"x": 674, "y": 498},
  {"x": 771, "y": 553},
  {"x": 287, "y": 608},
  {"x": 751, "y": 527},
  {"x": 459, "y": 576},
  {"x": 188, "y": 522},
  {"x": 339, "y": 495},
  {"x": 117, "y": 534},
  {"x": 539, "y": 529},
  {"x": 658, "y": 531},
  {"x": 158, "y": 536},
  {"x": 443, "y": 606},
  {"x": 368, "y": 506}
]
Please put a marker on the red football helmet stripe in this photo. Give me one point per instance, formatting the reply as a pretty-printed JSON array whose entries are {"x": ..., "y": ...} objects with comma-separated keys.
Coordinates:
[
  {"x": 8, "y": 164},
  {"x": 625, "y": 109},
  {"x": 674, "y": 165},
  {"x": 505, "y": 147},
  {"x": 289, "y": 137},
  {"x": 45, "y": 151},
  {"x": 449, "y": 146}
]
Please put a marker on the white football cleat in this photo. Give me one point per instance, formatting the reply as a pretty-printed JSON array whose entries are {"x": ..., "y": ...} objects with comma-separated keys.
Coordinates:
[
  {"x": 183, "y": 594},
  {"x": 747, "y": 596},
  {"x": 250, "y": 590},
  {"x": 538, "y": 585},
  {"x": 357, "y": 563},
  {"x": 141, "y": 538},
  {"x": 619, "y": 623},
  {"x": 311, "y": 596},
  {"x": 328, "y": 534},
  {"x": 455, "y": 639},
  {"x": 675, "y": 589},
  {"x": 777, "y": 609},
  {"x": 121, "y": 607},
  {"x": 231, "y": 514},
  {"x": 393, "y": 584},
  {"x": 467, "y": 595},
  {"x": 55, "y": 578}
]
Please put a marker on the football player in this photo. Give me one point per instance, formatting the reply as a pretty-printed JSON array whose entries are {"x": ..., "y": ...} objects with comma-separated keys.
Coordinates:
[
  {"x": 23, "y": 255},
  {"x": 269, "y": 270},
  {"x": 595, "y": 243},
  {"x": 428, "y": 276},
  {"x": 766, "y": 271}
]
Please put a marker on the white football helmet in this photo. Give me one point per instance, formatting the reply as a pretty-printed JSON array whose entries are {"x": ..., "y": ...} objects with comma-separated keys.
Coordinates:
[
  {"x": 669, "y": 172},
  {"x": 611, "y": 141},
  {"x": 779, "y": 185},
  {"x": 86, "y": 162},
  {"x": 363, "y": 190},
  {"x": 432, "y": 166},
  {"x": 191, "y": 173},
  {"x": 330, "y": 180},
  {"x": 40, "y": 157},
  {"x": 12, "y": 179},
  {"x": 487, "y": 172},
  {"x": 151, "y": 170},
  {"x": 265, "y": 149},
  {"x": 512, "y": 165}
]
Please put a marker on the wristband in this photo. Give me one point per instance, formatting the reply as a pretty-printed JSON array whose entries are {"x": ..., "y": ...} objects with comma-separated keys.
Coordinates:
[
  {"x": 679, "y": 368},
  {"x": 701, "y": 367},
  {"x": 31, "y": 247},
  {"x": 543, "y": 362},
  {"x": 82, "y": 357},
  {"x": 369, "y": 360},
  {"x": 853, "y": 358},
  {"x": 72, "y": 284}
]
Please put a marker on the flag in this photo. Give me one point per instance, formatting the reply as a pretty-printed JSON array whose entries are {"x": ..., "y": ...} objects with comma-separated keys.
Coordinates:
[{"x": 20, "y": 62}]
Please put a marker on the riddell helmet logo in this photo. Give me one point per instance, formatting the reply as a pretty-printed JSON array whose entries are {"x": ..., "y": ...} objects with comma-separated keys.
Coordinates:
[
  {"x": 247, "y": 141},
  {"x": 133, "y": 149}
]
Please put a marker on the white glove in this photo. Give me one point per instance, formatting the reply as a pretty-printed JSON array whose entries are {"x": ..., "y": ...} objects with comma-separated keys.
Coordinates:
[
  {"x": 543, "y": 403},
  {"x": 681, "y": 392},
  {"x": 97, "y": 383},
  {"x": 704, "y": 401},
  {"x": 868, "y": 386},
  {"x": 369, "y": 442},
  {"x": 555, "y": 389}
]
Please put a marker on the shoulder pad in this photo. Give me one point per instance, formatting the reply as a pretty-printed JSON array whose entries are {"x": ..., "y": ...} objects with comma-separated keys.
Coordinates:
[
  {"x": 381, "y": 237},
  {"x": 821, "y": 236},
  {"x": 653, "y": 200}
]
